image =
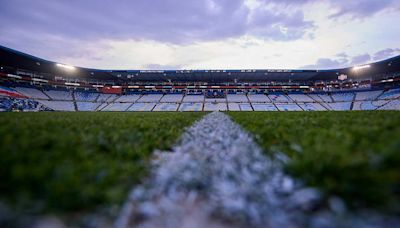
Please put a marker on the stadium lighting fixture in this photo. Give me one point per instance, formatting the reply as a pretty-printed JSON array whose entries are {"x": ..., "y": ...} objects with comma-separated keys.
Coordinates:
[
  {"x": 66, "y": 67},
  {"x": 357, "y": 68}
]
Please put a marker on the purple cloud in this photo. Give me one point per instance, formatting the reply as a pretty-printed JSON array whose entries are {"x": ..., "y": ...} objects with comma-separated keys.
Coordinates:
[
  {"x": 362, "y": 8},
  {"x": 360, "y": 59},
  {"x": 342, "y": 60},
  {"x": 326, "y": 63},
  {"x": 172, "y": 21},
  {"x": 386, "y": 53}
]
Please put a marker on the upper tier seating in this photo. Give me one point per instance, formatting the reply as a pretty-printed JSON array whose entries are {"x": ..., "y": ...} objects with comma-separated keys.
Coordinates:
[
  {"x": 59, "y": 95},
  {"x": 32, "y": 93}
]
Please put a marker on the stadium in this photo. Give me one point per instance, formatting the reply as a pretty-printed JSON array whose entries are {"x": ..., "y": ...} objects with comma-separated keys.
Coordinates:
[
  {"x": 159, "y": 146},
  {"x": 35, "y": 84}
]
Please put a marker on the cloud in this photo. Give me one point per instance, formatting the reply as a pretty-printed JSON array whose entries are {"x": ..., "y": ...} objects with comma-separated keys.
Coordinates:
[
  {"x": 386, "y": 53},
  {"x": 352, "y": 8},
  {"x": 342, "y": 60},
  {"x": 172, "y": 21},
  {"x": 362, "y": 8},
  {"x": 327, "y": 63},
  {"x": 360, "y": 59}
]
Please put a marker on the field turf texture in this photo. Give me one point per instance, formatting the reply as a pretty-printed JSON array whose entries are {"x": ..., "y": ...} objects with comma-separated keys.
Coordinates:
[
  {"x": 69, "y": 162},
  {"x": 353, "y": 155}
]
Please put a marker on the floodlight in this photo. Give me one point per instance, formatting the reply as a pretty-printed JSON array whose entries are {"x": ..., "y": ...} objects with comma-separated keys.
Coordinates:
[
  {"x": 357, "y": 68},
  {"x": 66, "y": 67}
]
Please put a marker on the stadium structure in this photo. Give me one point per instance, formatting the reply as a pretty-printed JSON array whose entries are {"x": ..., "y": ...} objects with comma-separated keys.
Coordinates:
[{"x": 29, "y": 83}]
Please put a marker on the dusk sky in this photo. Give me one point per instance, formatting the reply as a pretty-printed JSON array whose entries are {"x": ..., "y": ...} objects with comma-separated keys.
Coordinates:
[{"x": 203, "y": 34}]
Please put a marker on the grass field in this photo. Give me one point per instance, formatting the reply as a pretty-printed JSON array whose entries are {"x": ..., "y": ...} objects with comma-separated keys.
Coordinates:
[
  {"x": 69, "y": 162},
  {"x": 64, "y": 162},
  {"x": 354, "y": 155}
]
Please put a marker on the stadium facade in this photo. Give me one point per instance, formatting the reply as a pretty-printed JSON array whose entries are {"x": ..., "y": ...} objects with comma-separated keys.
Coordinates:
[{"x": 29, "y": 83}]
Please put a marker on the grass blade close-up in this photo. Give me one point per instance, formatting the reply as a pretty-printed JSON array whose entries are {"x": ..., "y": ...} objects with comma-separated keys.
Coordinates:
[
  {"x": 66, "y": 163},
  {"x": 353, "y": 155}
]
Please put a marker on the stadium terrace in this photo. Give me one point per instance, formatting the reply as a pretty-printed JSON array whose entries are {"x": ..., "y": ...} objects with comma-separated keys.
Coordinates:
[{"x": 29, "y": 83}]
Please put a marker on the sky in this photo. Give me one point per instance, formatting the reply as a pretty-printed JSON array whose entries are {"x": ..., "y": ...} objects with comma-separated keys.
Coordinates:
[{"x": 203, "y": 34}]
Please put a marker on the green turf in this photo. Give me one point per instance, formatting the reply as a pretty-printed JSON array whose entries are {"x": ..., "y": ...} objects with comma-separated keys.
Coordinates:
[
  {"x": 64, "y": 162},
  {"x": 354, "y": 155}
]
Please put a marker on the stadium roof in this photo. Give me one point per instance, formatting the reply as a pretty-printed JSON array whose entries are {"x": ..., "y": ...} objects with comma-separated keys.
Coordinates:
[{"x": 18, "y": 60}]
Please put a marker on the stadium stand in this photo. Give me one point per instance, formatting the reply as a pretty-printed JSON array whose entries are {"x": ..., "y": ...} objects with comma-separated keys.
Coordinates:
[
  {"x": 391, "y": 105},
  {"x": 150, "y": 98},
  {"x": 342, "y": 97},
  {"x": 63, "y": 100},
  {"x": 116, "y": 107},
  {"x": 191, "y": 107},
  {"x": 321, "y": 97},
  {"x": 312, "y": 107},
  {"x": 59, "y": 105},
  {"x": 172, "y": 98},
  {"x": 59, "y": 95},
  {"x": 340, "y": 106},
  {"x": 300, "y": 98},
  {"x": 233, "y": 107},
  {"x": 105, "y": 97},
  {"x": 258, "y": 98},
  {"x": 279, "y": 98},
  {"x": 245, "y": 107},
  {"x": 86, "y": 96},
  {"x": 142, "y": 107},
  {"x": 391, "y": 94},
  {"x": 264, "y": 107},
  {"x": 237, "y": 98},
  {"x": 32, "y": 93},
  {"x": 215, "y": 107},
  {"x": 87, "y": 106},
  {"x": 26, "y": 105},
  {"x": 288, "y": 107},
  {"x": 129, "y": 98},
  {"x": 193, "y": 98},
  {"x": 166, "y": 107},
  {"x": 368, "y": 95}
]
